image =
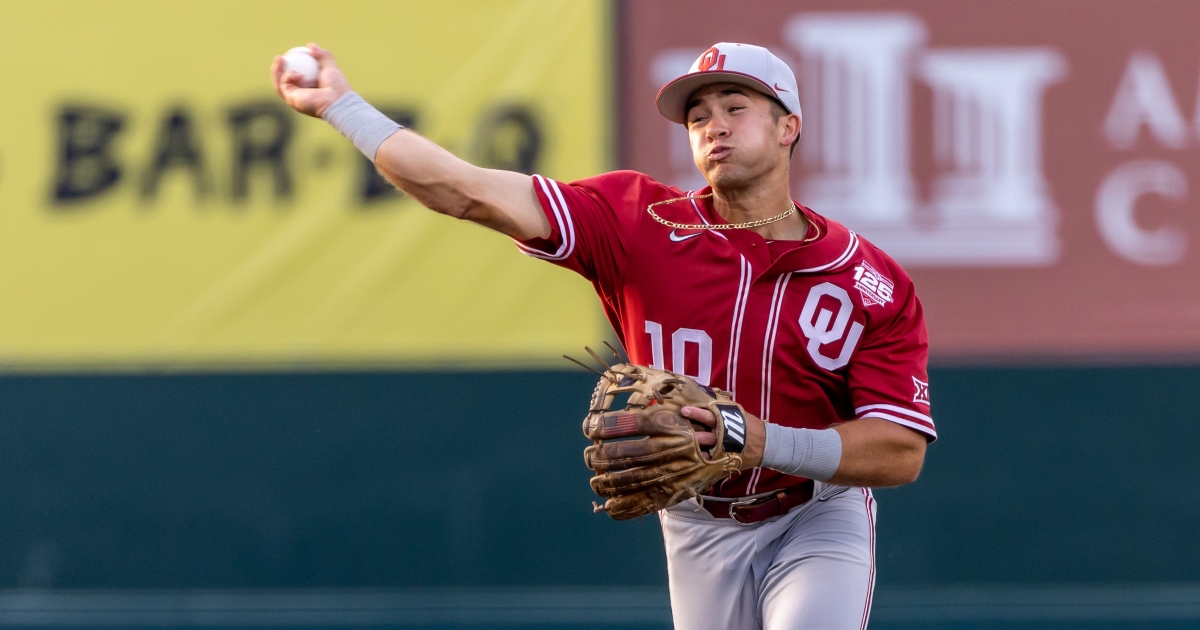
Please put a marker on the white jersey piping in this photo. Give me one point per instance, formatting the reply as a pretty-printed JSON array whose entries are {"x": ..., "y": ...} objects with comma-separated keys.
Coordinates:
[
  {"x": 916, "y": 426},
  {"x": 769, "y": 360},
  {"x": 566, "y": 227},
  {"x": 735, "y": 333},
  {"x": 851, "y": 247},
  {"x": 769, "y": 343},
  {"x": 894, "y": 408}
]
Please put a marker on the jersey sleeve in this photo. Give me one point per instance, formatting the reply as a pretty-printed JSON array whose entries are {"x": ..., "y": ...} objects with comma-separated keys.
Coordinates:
[
  {"x": 587, "y": 225},
  {"x": 888, "y": 376}
]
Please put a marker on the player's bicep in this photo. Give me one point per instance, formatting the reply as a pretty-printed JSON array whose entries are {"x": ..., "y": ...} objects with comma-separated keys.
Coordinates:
[
  {"x": 441, "y": 181},
  {"x": 505, "y": 201}
]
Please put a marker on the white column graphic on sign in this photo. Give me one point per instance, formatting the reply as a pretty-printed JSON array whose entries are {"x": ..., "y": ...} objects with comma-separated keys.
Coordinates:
[
  {"x": 987, "y": 131},
  {"x": 855, "y": 84},
  {"x": 987, "y": 138},
  {"x": 990, "y": 203}
]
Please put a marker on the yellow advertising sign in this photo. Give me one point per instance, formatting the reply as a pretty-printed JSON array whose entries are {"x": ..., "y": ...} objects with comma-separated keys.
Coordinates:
[{"x": 160, "y": 207}]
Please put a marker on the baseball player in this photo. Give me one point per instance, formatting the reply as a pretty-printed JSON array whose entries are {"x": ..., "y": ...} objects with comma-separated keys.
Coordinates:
[{"x": 813, "y": 330}]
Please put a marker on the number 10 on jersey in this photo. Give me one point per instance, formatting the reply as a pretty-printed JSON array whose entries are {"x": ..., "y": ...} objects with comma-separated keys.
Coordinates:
[{"x": 679, "y": 342}]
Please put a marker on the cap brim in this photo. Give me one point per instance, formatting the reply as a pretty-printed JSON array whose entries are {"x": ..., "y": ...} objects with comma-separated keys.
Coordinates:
[{"x": 673, "y": 97}]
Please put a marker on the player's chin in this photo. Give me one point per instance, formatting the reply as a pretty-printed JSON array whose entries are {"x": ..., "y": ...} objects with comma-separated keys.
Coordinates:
[{"x": 725, "y": 175}]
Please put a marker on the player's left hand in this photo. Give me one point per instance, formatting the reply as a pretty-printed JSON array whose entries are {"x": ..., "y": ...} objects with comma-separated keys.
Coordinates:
[{"x": 756, "y": 434}]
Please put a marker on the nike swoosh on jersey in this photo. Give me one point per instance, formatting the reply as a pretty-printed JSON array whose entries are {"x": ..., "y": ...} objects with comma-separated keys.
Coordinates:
[{"x": 679, "y": 239}]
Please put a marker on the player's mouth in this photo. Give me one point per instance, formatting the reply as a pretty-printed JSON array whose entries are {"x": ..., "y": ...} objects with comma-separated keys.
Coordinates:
[{"x": 719, "y": 152}]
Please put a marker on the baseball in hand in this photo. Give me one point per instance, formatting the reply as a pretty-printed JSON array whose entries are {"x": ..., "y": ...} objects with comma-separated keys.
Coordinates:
[{"x": 300, "y": 60}]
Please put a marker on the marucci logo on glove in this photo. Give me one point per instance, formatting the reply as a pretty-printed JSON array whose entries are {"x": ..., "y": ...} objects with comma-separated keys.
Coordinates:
[{"x": 735, "y": 427}]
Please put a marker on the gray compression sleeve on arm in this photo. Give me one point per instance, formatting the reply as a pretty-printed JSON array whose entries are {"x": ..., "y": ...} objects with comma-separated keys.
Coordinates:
[
  {"x": 810, "y": 453},
  {"x": 364, "y": 125}
]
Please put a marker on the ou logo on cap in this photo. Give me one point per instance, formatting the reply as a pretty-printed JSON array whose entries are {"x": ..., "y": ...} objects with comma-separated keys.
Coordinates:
[{"x": 712, "y": 57}]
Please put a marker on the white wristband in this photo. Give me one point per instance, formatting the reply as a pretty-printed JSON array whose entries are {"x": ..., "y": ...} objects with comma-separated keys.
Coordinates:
[
  {"x": 364, "y": 125},
  {"x": 808, "y": 453}
]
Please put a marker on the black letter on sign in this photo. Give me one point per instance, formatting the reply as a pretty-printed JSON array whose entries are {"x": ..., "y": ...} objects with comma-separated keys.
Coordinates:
[
  {"x": 508, "y": 138},
  {"x": 262, "y": 133},
  {"x": 85, "y": 166},
  {"x": 176, "y": 146},
  {"x": 373, "y": 187}
]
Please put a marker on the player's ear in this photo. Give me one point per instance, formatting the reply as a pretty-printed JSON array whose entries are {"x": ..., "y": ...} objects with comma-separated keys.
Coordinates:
[{"x": 789, "y": 129}]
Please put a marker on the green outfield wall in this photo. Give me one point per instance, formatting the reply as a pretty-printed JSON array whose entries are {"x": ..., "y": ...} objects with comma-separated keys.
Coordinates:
[{"x": 397, "y": 480}]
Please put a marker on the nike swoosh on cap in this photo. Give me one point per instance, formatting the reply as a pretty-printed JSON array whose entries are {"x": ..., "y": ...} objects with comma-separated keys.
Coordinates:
[
  {"x": 679, "y": 239},
  {"x": 779, "y": 89}
]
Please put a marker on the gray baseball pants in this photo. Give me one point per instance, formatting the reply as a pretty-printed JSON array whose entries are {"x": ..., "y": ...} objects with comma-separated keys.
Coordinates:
[{"x": 812, "y": 568}]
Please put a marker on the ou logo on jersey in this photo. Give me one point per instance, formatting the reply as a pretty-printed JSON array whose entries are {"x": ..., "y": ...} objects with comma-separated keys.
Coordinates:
[{"x": 822, "y": 326}]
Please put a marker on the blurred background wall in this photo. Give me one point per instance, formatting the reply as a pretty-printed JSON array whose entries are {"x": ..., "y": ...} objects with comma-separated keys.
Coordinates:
[{"x": 246, "y": 383}]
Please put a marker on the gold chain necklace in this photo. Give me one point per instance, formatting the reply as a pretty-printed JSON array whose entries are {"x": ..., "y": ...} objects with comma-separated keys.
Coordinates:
[{"x": 722, "y": 226}]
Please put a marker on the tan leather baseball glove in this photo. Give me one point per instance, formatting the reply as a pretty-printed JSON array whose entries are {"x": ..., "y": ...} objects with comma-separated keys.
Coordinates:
[{"x": 646, "y": 456}]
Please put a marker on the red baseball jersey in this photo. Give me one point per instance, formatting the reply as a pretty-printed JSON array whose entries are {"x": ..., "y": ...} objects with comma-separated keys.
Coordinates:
[{"x": 803, "y": 334}]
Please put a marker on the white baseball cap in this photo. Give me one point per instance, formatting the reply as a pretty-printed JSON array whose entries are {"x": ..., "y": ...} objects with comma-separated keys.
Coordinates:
[{"x": 745, "y": 64}]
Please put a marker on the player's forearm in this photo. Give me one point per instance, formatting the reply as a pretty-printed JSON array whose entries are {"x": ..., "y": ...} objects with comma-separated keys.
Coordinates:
[
  {"x": 869, "y": 452},
  {"x": 877, "y": 453}
]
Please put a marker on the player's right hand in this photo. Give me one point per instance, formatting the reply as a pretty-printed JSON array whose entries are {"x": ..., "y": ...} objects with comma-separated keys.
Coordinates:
[{"x": 331, "y": 84}]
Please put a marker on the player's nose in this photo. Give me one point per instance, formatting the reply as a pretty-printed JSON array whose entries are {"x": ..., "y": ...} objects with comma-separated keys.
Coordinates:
[{"x": 717, "y": 129}]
